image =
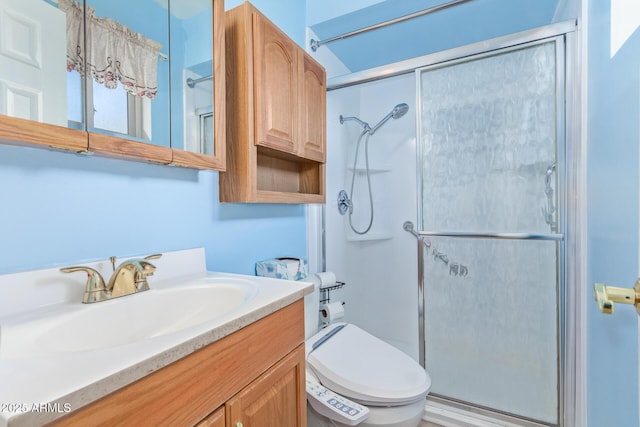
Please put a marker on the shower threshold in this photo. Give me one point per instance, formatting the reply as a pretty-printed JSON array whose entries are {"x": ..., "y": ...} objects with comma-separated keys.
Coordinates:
[{"x": 446, "y": 412}]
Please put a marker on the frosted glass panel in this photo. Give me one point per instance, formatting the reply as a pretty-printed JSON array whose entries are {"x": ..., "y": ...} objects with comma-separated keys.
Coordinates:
[
  {"x": 488, "y": 138},
  {"x": 488, "y": 143},
  {"x": 491, "y": 336}
]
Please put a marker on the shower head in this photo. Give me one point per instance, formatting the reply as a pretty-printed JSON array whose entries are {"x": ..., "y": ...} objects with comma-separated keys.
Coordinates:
[{"x": 397, "y": 112}]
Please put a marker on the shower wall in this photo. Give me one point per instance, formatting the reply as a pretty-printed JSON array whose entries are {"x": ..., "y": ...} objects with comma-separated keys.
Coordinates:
[{"x": 379, "y": 268}]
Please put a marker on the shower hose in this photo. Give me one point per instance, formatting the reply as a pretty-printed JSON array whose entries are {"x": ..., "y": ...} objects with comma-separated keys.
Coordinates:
[{"x": 353, "y": 179}]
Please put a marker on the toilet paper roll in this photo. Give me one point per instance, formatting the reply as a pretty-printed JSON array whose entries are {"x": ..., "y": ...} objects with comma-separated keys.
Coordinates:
[
  {"x": 327, "y": 279},
  {"x": 331, "y": 312}
]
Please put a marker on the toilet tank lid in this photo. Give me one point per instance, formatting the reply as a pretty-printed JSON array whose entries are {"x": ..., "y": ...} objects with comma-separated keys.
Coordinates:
[{"x": 366, "y": 369}]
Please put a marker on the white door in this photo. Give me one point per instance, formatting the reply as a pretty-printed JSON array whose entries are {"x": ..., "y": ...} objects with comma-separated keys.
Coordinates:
[{"x": 33, "y": 61}]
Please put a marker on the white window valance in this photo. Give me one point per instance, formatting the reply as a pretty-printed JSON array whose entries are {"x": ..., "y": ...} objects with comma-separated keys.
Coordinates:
[{"x": 114, "y": 53}]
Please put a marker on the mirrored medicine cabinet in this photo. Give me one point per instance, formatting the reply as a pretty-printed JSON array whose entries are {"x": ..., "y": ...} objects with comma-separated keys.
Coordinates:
[{"x": 143, "y": 79}]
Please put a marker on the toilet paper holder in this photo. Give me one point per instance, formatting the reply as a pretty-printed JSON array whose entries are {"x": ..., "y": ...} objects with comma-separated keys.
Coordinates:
[{"x": 325, "y": 293}]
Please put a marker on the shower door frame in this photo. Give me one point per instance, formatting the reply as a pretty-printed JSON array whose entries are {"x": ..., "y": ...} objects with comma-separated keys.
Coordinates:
[
  {"x": 572, "y": 406},
  {"x": 558, "y": 236}
]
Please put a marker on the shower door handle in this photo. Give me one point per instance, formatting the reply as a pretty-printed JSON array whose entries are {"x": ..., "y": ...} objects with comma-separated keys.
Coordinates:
[{"x": 606, "y": 296}]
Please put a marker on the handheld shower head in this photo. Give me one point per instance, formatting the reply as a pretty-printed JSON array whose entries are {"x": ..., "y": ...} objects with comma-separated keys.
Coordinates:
[{"x": 397, "y": 112}]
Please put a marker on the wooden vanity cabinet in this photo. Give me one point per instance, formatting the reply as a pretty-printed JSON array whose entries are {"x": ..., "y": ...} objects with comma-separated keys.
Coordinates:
[
  {"x": 217, "y": 419},
  {"x": 276, "y": 399},
  {"x": 254, "y": 377},
  {"x": 276, "y": 99}
]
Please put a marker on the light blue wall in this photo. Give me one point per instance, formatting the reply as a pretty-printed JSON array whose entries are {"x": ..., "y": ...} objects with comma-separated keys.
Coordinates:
[
  {"x": 613, "y": 139},
  {"x": 60, "y": 208}
]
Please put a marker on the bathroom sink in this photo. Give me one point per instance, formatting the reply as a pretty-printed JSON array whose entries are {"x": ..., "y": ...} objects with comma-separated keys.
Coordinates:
[{"x": 121, "y": 321}]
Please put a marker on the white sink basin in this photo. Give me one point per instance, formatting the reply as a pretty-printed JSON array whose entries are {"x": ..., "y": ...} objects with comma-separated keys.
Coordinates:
[{"x": 125, "y": 320}]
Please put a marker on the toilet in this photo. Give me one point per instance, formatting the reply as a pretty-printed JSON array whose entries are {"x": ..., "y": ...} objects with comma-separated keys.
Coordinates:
[{"x": 362, "y": 374}]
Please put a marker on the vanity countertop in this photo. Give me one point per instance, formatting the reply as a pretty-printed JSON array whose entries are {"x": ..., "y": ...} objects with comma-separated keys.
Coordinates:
[{"x": 40, "y": 387}]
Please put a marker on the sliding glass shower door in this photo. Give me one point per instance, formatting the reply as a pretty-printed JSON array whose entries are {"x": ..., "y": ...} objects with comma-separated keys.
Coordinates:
[{"x": 491, "y": 144}]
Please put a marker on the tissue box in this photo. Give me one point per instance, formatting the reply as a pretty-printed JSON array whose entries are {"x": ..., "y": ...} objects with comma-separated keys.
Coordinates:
[{"x": 283, "y": 268}]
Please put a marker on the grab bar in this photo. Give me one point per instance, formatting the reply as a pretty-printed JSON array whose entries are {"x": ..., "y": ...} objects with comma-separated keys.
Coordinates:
[
  {"x": 502, "y": 236},
  {"x": 455, "y": 268}
]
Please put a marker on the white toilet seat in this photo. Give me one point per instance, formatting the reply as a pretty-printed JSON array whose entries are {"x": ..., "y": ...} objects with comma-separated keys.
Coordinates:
[{"x": 363, "y": 368}]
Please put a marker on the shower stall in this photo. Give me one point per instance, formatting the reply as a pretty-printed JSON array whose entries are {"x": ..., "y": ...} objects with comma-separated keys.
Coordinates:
[{"x": 463, "y": 265}]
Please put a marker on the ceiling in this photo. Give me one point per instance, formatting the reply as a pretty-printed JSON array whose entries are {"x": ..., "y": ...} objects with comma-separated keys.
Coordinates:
[{"x": 459, "y": 25}]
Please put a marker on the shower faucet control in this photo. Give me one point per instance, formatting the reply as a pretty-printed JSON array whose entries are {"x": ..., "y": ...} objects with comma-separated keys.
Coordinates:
[{"x": 344, "y": 203}]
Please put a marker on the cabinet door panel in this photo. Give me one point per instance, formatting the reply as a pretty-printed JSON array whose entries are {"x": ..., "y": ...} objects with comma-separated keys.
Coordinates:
[
  {"x": 313, "y": 109},
  {"x": 214, "y": 420},
  {"x": 275, "y": 399},
  {"x": 275, "y": 86}
]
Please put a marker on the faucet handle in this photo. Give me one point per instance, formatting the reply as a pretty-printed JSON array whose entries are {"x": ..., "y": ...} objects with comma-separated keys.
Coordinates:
[
  {"x": 145, "y": 267},
  {"x": 142, "y": 268},
  {"x": 95, "y": 289}
]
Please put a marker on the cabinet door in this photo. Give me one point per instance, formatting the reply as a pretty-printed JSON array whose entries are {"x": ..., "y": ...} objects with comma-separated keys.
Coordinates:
[
  {"x": 275, "y": 86},
  {"x": 214, "y": 420},
  {"x": 313, "y": 91},
  {"x": 276, "y": 399}
]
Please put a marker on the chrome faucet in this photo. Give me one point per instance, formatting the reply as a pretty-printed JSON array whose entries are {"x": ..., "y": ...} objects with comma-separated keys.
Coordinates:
[{"x": 129, "y": 278}]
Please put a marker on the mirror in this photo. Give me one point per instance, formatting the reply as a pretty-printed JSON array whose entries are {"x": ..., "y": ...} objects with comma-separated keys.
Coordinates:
[
  {"x": 137, "y": 71},
  {"x": 191, "y": 51},
  {"x": 127, "y": 58},
  {"x": 33, "y": 68}
]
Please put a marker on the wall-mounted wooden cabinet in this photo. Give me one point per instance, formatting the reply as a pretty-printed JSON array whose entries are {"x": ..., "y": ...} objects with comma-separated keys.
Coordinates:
[{"x": 276, "y": 103}]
